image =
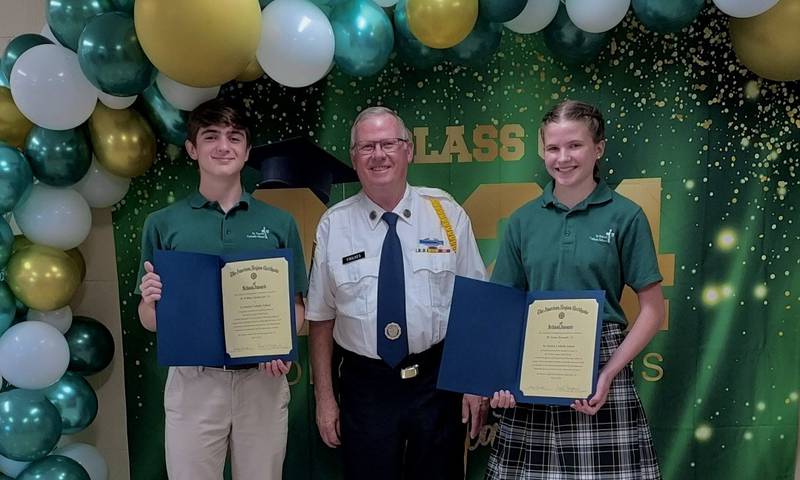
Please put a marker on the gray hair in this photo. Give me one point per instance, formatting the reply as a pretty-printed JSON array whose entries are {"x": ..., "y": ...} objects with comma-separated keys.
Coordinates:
[{"x": 371, "y": 112}]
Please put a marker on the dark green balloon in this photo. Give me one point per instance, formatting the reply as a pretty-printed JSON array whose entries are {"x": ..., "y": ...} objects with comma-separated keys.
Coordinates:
[
  {"x": 500, "y": 11},
  {"x": 111, "y": 57},
  {"x": 68, "y": 18},
  {"x": 58, "y": 157},
  {"x": 30, "y": 425},
  {"x": 569, "y": 43},
  {"x": 666, "y": 16},
  {"x": 91, "y": 346},
  {"x": 409, "y": 49},
  {"x": 22, "y": 310},
  {"x": 168, "y": 121},
  {"x": 8, "y": 307},
  {"x": 75, "y": 400},
  {"x": 17, "y": 47},
  {"x": 123, "y": 5},
  {"x": 16, "y": 177},
  {"x": 6, "y": 242},
  {"x": 477, "y": 49},
  {"x": 3, "y": 80},
  {"x": 54, "y": 467}
]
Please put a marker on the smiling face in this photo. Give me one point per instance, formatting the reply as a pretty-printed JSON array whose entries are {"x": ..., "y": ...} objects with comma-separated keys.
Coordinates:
[
  {"x": 220, "y": 150},
  {"x": 571, "y": 153},
  {"x": 380, "y": 170}
]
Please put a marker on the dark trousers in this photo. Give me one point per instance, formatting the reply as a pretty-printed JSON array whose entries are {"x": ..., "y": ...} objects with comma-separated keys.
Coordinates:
[{"x": 395, "y": 429}]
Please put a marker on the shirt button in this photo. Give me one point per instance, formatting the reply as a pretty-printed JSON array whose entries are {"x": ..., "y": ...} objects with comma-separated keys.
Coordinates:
[{"x": 227, "y": 232}]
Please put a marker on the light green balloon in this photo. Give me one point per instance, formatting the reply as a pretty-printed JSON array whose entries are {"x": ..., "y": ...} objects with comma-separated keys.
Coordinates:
[
  {"x": 16, "y": 177},
  {"x": 54, "y": 467},
  {"x": 30, "y": 425},
  {"x": 75, "y": 400}
]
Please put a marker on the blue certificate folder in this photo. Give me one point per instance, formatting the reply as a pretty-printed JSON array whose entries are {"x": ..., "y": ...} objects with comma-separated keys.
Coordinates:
[
  {"x": 485, "y": 337},
  {"x": 190, "y": 330}
]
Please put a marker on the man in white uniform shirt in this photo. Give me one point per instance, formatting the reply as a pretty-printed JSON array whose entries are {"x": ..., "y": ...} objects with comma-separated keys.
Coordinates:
[{"x": 381, "y": 284}]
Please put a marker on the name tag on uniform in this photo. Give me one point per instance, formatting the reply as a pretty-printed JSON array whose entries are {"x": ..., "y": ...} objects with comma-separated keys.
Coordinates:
[{"x": 353, "y": 257}]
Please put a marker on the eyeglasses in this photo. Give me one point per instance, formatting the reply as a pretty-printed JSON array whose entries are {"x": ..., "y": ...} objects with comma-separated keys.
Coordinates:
[{"x": 388, "y": 145}]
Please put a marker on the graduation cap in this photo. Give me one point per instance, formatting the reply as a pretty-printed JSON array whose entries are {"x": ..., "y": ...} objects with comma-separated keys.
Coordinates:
[{"x": 299, "y": 163}]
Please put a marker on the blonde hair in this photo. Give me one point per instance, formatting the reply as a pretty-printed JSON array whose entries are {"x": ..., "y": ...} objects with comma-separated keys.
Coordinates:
[{"x": 371, "y": 112}]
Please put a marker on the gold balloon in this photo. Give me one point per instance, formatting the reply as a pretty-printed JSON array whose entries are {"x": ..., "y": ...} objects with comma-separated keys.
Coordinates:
[
  {"x": 253, "y": 71},
  {"x": 42, "y": 278},
  {"x": 14, "y": 127},
  {"x": 123, "y": 142},
  {"x": 77, "y": 257},
  {"x": 441, "y": 23},
  {"x": 201, "y": 43},
  {"x": 769, "y": 44}
]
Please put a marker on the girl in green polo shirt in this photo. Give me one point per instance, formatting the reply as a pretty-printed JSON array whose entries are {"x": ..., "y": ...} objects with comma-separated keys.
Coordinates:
[{"x": 581, "y": 235}]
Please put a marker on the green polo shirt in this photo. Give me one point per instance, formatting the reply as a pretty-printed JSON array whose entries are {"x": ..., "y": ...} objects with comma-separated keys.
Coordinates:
[
  {"x": 195, "y": 224},
  {"x": 603, "y": 243}
]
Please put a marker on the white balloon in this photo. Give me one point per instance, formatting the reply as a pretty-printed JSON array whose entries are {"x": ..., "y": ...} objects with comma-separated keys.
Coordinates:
[
  {"x": 50, "y": 89},
  {"x": 536, "y": 15},
  {"x": 385, "y": 3},
  {"x": 12, "y": 468},
  {"x": 61, "y": 318},
  {"x": 56, "y": 217},
  {"x": 33, "y": 355},
  {"x": 297, "y": 42},
  {"x": 596, "y": 16},
  {"x": 184, "y": 97},
  {"x": 89, "y": 458},
  {"x": 100, "y": 187},
  {"x": 114, "y": 102},
  {"x": 744, "y": 8}
]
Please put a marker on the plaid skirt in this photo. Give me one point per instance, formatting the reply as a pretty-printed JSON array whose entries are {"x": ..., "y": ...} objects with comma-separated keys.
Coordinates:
[{"x": 558, "y": 443}]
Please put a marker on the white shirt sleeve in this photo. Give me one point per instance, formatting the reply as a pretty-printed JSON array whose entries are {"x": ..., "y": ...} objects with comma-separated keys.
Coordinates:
[
  {"x": 469, "y": 262},
  {"x": 321, "y": 302}
]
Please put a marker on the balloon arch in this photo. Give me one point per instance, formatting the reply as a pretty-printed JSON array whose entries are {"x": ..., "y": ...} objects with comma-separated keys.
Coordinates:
[{"x": 82, "y": 103}]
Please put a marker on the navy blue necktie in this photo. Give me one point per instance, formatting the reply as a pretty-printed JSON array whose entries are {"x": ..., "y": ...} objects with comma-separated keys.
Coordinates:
[{"x": 392, "y": 336}]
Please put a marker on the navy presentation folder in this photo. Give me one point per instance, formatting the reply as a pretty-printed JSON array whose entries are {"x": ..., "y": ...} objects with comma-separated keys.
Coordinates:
[
  {"x": 190, "y": 330},
  {"x": 485, "y": 336}
]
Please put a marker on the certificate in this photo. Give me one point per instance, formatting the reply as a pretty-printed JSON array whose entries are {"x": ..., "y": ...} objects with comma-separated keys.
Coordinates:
[
  {"x": 558, "y": 348},
  {"x": 544, "y": 347},
  {"x": 255, "y": 309},
  {"x": 225, "y": 310}
]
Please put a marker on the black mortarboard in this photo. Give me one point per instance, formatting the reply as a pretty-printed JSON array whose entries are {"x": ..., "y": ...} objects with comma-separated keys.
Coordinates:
[{"x": 299, "y": 163}]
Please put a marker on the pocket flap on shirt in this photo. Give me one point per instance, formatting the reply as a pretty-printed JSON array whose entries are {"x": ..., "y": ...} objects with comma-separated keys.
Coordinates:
[{"x": 354, "y": 272}]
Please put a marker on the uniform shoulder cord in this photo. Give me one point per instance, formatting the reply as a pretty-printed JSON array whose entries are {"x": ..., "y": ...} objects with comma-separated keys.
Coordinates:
[{"x": 448, "y": 229}]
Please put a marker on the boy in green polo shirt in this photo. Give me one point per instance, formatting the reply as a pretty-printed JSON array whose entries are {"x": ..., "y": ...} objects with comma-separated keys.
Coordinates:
[{"x": 209, "y": 410}]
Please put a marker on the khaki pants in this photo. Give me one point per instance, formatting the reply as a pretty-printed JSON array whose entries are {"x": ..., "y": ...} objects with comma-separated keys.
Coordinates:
[{"x": 208, "y": 410}]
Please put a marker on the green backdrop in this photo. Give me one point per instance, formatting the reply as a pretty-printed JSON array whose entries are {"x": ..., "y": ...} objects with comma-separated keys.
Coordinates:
[{"x": 720, "y": 385}]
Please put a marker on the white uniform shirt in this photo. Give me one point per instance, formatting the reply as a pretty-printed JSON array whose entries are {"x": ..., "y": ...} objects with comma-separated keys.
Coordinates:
[{"x": 344, "y": 272}]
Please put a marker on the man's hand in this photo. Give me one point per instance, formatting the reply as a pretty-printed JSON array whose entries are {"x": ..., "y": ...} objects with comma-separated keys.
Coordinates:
[
  {"x": 328, "y": 421},
  {"x": 474, "y": 410},
  {"x": 275, "y": 368},
  {"x": 151, "y": 285}
]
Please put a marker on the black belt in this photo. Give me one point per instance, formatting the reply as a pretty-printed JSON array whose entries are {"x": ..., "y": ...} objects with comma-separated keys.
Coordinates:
[
  {"x": 244, "y": 366},
  {"x": 410, "y": 367}
]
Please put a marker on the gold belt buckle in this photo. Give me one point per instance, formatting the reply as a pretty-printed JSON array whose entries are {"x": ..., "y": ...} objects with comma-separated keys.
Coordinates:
[{"x": 409, "y": 372}]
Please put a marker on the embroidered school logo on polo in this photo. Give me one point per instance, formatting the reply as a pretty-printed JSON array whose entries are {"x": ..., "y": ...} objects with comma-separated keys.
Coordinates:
[
  {"x": 603, "y": 237},
  {"x": 263, "y": 234}
]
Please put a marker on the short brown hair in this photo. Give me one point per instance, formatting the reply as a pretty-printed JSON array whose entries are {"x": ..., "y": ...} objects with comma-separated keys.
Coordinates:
[{"x": 218, "y": 111}]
